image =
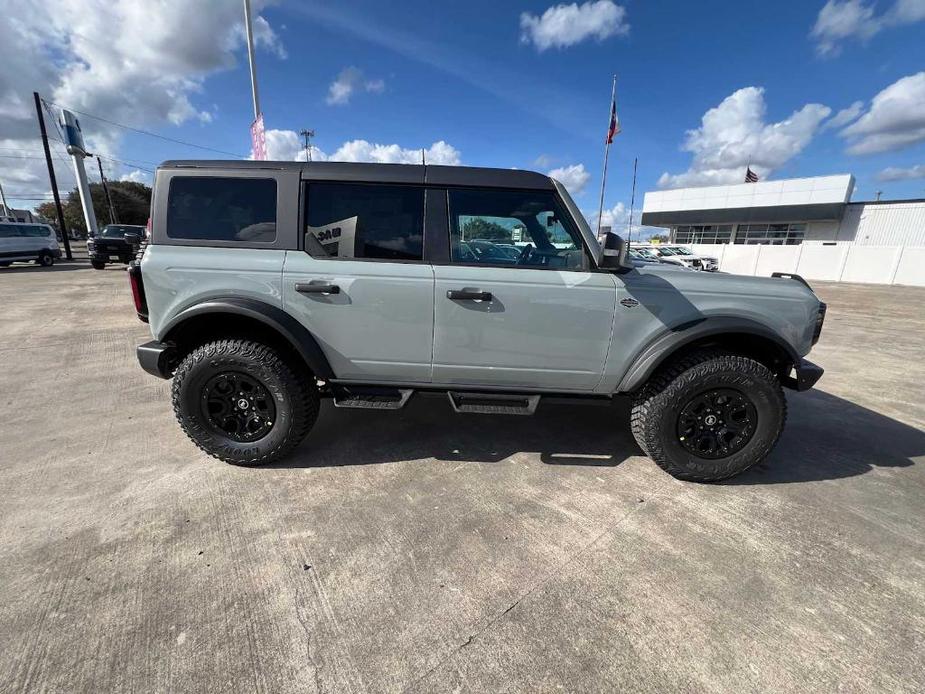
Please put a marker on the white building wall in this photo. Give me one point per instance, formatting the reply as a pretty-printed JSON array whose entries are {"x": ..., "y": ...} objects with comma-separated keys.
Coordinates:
[
  {"x": 839, "y": 262},
  {"x": 886, "y": 224}
]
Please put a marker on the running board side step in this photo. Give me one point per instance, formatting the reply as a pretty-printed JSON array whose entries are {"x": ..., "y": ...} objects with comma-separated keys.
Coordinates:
[
  {"x": 493, "y": 403},
  {"x": 371, "y": 398}
]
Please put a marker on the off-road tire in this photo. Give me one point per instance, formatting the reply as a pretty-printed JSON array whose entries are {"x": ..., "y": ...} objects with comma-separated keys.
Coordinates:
[
  {"x": 294, "y": 391},
  {"x": 654, "y": 418},
  {"x": 45, "y": 259},
  {"x": 98, "y": 264}
]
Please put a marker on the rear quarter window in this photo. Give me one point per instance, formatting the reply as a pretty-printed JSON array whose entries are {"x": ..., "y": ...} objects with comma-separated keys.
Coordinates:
[{"x": 222, "y": 209}]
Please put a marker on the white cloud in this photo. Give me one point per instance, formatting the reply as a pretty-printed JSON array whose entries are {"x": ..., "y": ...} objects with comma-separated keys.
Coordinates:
[
  {"x": 137, "y": 176},
  {"x": 347, "y": 82},
  {"x": 564, "y": 25},
  {"x": 618, "y": 219},
  {"x": 893, "y": 173},
  {"x": 896, "y": 118},
  {"x": 573, "y": 177},
  {"x": 845, "y": 116},
  {"x": 841, "y": 20},
  {"x": 362, "y": 150},
  {"x": 116, "y": 58},
  {"x": 285, "y": 145},
  {"x": 734, "y": 135}
]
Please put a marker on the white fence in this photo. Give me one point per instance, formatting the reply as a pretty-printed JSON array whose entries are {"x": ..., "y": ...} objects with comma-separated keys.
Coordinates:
[{"x": 843, "y": 262}]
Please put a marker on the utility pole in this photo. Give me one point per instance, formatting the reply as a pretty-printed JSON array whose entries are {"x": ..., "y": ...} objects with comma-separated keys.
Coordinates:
[
  {"x": 248, "y": 26},
  {"x": 307, "y": 135},
  {"x": 879, "y": 193},
  {"x": 51, "y": 177},
  {"x": 112, "y": 210}
]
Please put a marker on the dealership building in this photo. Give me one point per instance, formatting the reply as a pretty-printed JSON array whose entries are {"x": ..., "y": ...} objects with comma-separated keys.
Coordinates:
[
  {"x": 741, "y": 223},
  {"x": 785, "y": 212}
]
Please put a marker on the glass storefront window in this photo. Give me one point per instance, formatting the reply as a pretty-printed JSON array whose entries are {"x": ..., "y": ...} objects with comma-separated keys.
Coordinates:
[
  {"x": 773, "y": 234},
  {"x": 703, "y": 233}
]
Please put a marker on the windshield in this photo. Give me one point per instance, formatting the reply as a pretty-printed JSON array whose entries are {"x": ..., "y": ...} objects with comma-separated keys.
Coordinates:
[
  {"x": 645, "y": 252},
  {"x": 117, "y": 231},
  {"x": 680, "y": 250}
]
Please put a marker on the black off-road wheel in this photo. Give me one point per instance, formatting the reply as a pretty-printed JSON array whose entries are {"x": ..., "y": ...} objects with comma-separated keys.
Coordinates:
[
  {"x": 709, "y": 416},
  {"x": 240, "y": 402},
  {"x": 98, "y": 264}
]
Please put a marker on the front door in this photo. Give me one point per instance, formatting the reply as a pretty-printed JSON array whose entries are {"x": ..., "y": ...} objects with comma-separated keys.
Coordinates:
[
  {"x": 360, "y": 285},
  {"x": 518, "y": 306}
]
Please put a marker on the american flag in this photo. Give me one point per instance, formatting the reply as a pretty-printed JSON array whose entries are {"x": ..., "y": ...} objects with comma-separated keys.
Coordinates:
[
  {"x": 614, "y": 126},
  {"x": 750, "y": 176}
]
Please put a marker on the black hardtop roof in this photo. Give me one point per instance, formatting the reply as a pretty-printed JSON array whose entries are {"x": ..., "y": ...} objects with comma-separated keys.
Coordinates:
[{"x": 379, "y": 173}]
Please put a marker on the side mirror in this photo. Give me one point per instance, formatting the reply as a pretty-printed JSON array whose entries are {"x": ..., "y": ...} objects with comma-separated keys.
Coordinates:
[
  {"x": 613, "y": 252},
  {"x": 132, "y": 239}
]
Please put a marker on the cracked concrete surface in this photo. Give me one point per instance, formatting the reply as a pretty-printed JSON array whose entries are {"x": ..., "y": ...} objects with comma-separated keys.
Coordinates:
[{"x": 426, "y": 551}]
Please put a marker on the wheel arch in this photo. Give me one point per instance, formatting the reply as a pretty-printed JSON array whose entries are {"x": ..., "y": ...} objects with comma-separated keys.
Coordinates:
[
  {"x": 243, "y": 317},
  {"x": 739, "y": 336}
]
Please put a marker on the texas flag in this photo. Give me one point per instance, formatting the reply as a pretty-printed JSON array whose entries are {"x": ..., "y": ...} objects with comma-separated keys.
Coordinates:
[{"x": 614, "y": 126}]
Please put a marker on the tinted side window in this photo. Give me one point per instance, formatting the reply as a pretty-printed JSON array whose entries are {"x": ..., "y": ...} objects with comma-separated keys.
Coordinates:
[
  {"x": 222, "y": 209},
  {"x": 527, "y": 229},
  {"x": 365, "y": 221},
  {"x": 6, "y": 231},
  {"x": 37, "y": 231}
]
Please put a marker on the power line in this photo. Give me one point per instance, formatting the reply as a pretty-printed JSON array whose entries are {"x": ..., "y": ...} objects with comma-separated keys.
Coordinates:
[{"x": 148, "y": 132}]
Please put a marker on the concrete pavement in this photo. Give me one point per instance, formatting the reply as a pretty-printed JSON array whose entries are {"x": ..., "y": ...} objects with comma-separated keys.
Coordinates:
[{"x": 426, "y": 551}]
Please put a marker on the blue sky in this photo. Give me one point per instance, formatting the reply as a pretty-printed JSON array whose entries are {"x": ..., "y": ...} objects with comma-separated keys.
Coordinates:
[{"x": 503, "y": 85}]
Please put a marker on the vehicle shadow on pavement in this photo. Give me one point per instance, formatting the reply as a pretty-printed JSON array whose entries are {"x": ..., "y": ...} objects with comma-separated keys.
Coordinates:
[
  {"x": 57, "y": 267},
  {"x": 826, "y": 438},
  {"x": 427, "y": 427}
]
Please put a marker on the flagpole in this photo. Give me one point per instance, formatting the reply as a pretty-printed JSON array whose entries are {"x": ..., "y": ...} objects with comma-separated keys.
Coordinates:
[
  {"x": 629, "y": 232},
  {"x": 600, "y": 208}
]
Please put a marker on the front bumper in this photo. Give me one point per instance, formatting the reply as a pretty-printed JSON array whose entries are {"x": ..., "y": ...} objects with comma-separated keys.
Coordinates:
[
  {"x": 157, "y": 358},
  {"x": 806, "y": 374}
]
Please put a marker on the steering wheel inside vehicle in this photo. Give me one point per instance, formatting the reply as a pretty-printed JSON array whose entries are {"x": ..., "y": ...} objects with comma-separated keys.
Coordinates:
[{"x": 525, "y": 254}]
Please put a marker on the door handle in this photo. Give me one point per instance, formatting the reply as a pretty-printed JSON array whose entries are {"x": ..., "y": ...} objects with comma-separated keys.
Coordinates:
[
  {"x": 304, "y": 288},
  {"x": 468, "y": 295}
]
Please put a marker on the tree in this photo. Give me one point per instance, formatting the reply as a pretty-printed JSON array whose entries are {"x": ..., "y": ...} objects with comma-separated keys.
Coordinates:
[
  {"x": 479, "y": 228},
  {"x": 658, "y": 238},
  {"x": 131, "y": 200}
]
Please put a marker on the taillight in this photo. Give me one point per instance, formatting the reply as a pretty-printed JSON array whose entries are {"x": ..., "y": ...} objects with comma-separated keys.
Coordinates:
[
  {"x": 820, "y": 319},
  {"x": 138, "y": 291}
]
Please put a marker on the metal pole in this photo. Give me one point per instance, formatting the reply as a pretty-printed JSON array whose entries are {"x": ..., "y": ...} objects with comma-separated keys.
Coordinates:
[
  {"x": 112, "y": 210},
  {"x": 51, "y": 177},
  {"x": 600, "y": 208},
  {"x": 250, "y": 56},
  {"x": 6, "y": 208},
  {"x": 83, "y": 185},
  {"x": 629, "y": 234}
]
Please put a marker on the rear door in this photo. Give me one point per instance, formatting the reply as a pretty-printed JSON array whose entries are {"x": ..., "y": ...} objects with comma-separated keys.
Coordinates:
[
  {"x": 359, "y": 282},
  {"x": 536, "y": 318},
  {"x": 6, "y": 241}
]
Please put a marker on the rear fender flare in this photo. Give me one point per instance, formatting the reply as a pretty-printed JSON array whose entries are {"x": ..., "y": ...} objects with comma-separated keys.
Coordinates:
[{"x": 271, "y": 316}]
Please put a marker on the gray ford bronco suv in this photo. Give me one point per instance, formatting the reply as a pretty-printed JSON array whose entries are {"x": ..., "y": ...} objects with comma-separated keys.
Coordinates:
[{"x": 271, "y": 285}]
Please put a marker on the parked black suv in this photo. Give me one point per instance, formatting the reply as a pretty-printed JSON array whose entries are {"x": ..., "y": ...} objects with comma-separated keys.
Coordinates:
[{"x": 111, "y": 243}]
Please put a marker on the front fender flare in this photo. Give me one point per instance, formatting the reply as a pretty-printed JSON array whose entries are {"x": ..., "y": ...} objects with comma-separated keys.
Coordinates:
[
  {"x": 272, "y": 316},
  {"x": 667, "y": 343}
]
